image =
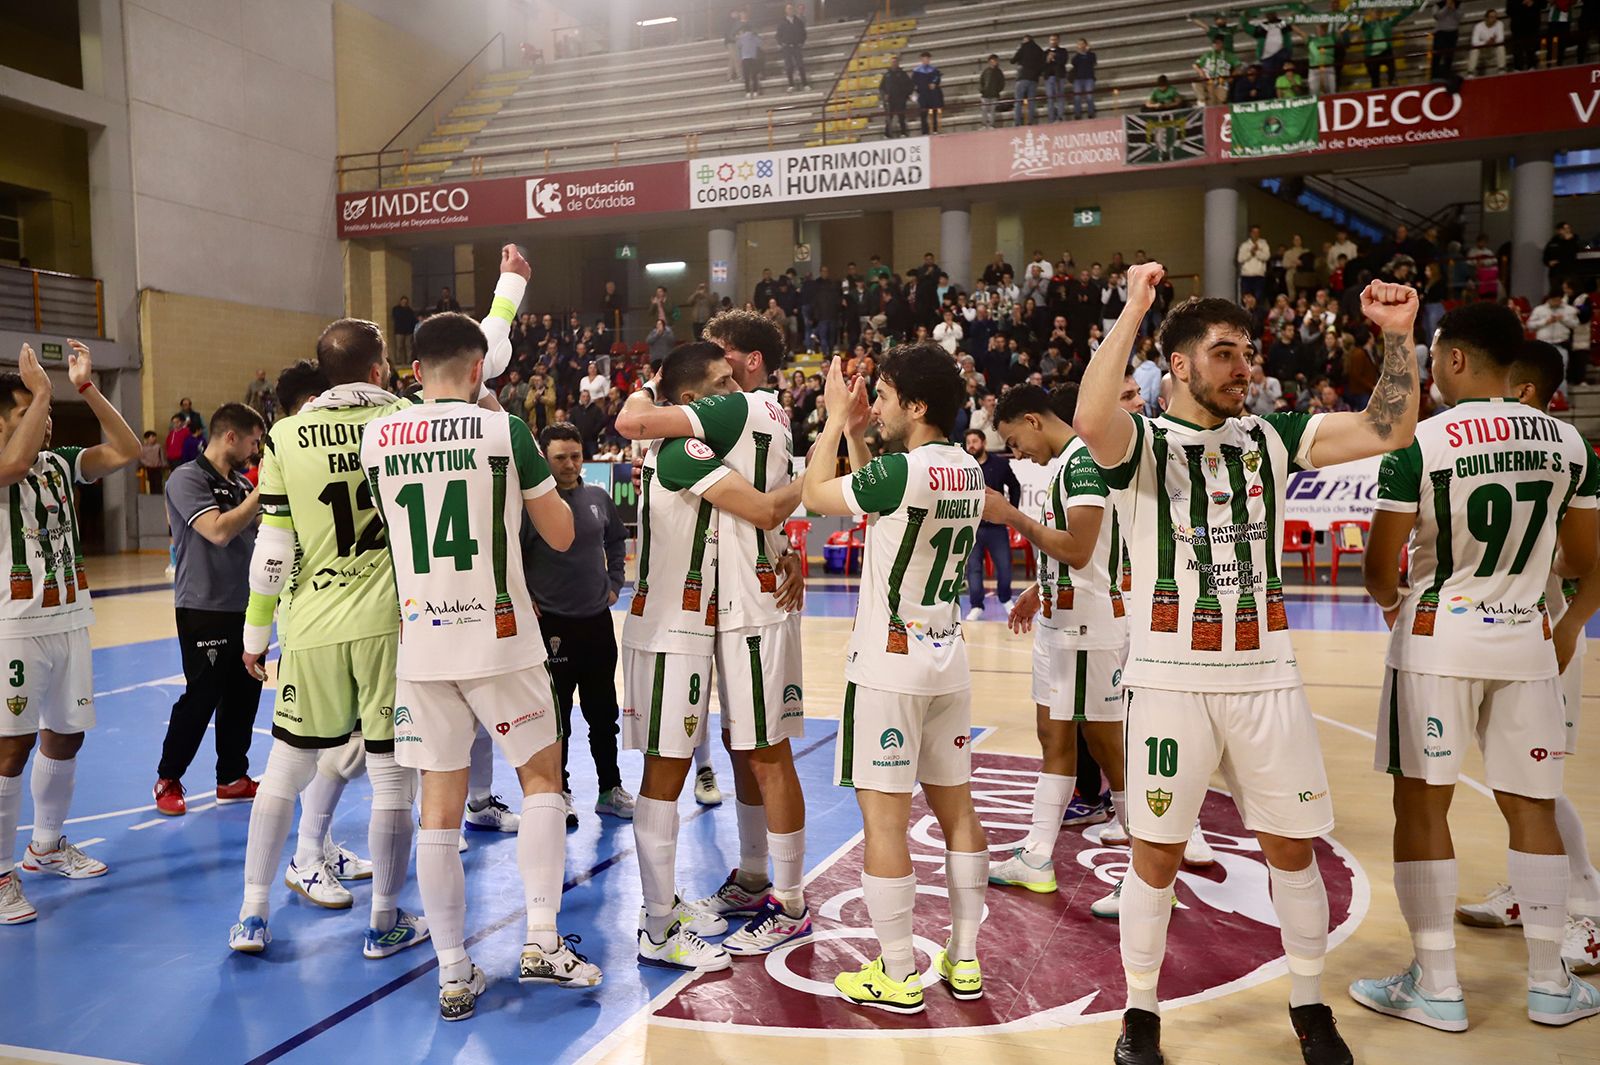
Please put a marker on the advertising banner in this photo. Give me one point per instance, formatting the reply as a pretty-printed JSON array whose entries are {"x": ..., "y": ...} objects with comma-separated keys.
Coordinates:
[
  {"x": 1273, "y": 127},
  {"x": 998, "y": 156},
  {"x": 810, "y": 173},
  {"x": 621, "y": 190}
]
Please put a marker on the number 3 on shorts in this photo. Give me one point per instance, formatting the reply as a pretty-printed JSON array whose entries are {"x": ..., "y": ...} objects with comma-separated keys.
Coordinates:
[
  {"x": 1163, "y": 757},
  {"x": 18, "y": 677}
]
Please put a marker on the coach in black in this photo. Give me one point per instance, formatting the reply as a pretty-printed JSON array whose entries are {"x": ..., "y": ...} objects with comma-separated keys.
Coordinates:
[
  {"x": 574, "y": 590},
  {"x": 212, "y": 509}
]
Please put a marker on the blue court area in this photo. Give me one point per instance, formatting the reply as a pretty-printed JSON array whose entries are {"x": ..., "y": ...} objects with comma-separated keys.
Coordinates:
[{"x": 134, "y": 966}]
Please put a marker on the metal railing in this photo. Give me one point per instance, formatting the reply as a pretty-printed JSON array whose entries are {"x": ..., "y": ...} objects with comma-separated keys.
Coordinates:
[
  {"x": 41, "y": 300},
  {"x": 846, "y": 72}
]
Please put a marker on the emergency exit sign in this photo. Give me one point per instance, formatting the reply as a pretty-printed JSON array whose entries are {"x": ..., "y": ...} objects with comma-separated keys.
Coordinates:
[{"x": 1084, "y": 217}]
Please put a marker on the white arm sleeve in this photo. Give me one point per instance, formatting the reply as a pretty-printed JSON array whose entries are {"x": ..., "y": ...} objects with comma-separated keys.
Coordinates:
[
  {"x": 497, "y": 326},
  {"x": 274, "y": 553}
]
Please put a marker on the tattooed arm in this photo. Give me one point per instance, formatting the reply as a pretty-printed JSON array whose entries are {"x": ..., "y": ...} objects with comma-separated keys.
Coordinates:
[{"x": 1390, "y": 420}]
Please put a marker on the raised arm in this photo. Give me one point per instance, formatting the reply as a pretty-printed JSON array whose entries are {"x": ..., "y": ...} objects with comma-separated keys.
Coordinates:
[
  {"x": 1105, "y": 427},
  {"x": 641, "y": 419},
  {"x": 22, "y": 446},
  {"x": 1390, "y": 420},
  {"x": 508, "y": 291},
  {"x": 821, "y": 491},
  {"x": 121, "y": 446}
]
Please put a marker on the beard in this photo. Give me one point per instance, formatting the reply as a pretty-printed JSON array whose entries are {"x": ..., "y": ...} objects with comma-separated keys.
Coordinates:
[{"x": 1216, "y": 402}]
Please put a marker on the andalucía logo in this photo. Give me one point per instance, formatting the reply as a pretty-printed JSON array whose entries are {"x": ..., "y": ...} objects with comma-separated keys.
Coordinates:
[{"x": 1046, "y": 961}]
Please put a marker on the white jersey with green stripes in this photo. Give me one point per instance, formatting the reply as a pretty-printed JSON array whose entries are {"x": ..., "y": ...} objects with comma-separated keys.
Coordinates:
[
  {"x": 1203, "y": 513},
  {"x": 48, "y": 592},
  {"x": 925, "y": 507},
  {"x": 749, "y": 431},
  {"x": 1081, "y": 608},
  {"x": 449, "y": 480},
  {"x": 1489, "y": 481},
  {"x": 675, "y": 598}
]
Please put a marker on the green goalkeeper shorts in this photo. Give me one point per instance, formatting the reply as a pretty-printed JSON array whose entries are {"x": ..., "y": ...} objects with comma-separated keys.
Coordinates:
[{"x": 326, "y": 693}]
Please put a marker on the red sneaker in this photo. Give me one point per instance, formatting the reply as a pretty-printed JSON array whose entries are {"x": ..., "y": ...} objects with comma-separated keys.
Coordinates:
[
  {"x": 169, "y": 798},
  {"x": 241, "y": 790}
]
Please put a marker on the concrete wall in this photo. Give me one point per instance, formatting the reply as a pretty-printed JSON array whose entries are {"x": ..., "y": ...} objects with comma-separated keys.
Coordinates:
[
  {"x": 55, "y": 166},
  {"x": 232, "y": 133}
]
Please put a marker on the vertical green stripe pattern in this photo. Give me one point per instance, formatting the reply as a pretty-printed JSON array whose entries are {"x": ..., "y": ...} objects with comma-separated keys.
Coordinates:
[
  {"x": 646, "y": 475},
  {"x": 758, "y": 695},
  {"x": 653, "y": 745},
  {"x": 1394, "y": 722},
  {"x": 847, "y": 738},
  {"x": 1080, "y": 687}
]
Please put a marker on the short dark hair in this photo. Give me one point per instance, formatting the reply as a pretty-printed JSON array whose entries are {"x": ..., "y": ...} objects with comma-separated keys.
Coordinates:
[
  {"x": 447, "y": 337},
  {"x": 348, "y": 349},
  {"x": 1064, "y": 401},
  {"x": 1483, "y": 329},
  {"x": 1023, "y": 399},
  {"x": 925, "y": 373},
  {"x": 1188, "y": 323},
  {"x": 1540, "y": 365},
  {"x": 687, "y": 366},
  {"x": 237, "y": 417},
  {"x": 299, "y": 382},
  {"x": 746, "y": 331},
  {"x": 10, "y": 385},
  {"x": 559, "y": 431}
]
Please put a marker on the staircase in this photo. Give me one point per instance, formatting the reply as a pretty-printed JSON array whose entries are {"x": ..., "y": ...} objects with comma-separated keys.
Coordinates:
[{"x": 854, "y": 99}]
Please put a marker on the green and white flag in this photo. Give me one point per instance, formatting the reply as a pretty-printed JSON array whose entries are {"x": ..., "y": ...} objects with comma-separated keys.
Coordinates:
[
  {"x": 1167, "y": 136},
  {"x": 1273, "y": 127}
]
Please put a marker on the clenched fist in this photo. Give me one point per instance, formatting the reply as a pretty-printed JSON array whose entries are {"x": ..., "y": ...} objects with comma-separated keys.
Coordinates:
[
  {"x": 512, "y": 262},
  {"x": 1391, "y": 307}
]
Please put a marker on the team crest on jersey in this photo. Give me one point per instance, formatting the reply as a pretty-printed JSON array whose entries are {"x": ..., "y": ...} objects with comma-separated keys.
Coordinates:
[
  {"x": 690, "y": 723},
  {"x": 1160, "y": 801},
  {"x": 17, "y": 704},
  {"x": 1252, "y": 460},
  {"x": 1213, "y": 463}
]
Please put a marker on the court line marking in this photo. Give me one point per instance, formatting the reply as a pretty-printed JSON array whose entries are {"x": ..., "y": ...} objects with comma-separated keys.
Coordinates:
[
  {"x": 1463, "y": 778},
  {"x": 53, "y": 1057},
  {"x": 118, "y": 813},
  {"x": 1057, "y": 1017},
  {"x": 305, "y": 1035}
]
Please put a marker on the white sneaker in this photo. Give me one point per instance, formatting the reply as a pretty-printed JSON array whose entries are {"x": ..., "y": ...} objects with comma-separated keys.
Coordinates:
[
  {"x": 706, "y": 792},
  {"x": 170, "y": 572},
  {"x": 1580, "y": 947},
  {"x": 345, "y": 863},
  {"x": 1562, "y": 1006},
  {"x": 14, "y": 905},
  {"x": 458, "y": 999},
  {"x": 1006, "y": 606},
  {"x": 461, "y": 845},
  {"x": 1112, "y": 834},
  {"x": 1197, "y": 852},
  {"x": 700, "y": 922},
  {"x": 491, "y": 815},
  {"x": 563, "y": 966},
  {"x": 249, "y": 936},
  {"x": 684, "y": 951},
  {"x": 1017, "y": 871},
  {"x": 66, "y": 860},
  {"x": 769, "y": 929},
  {"x": 732, "y": 900},
  {"x": 572, "y": 811},
  {"x": 616, "y": 802},
  {"x": 318, "y": 884},
  {"x": 1110, "y": 907},
  {"x": 1499, "y": 910},
  {"x": 975, "y": 614}
]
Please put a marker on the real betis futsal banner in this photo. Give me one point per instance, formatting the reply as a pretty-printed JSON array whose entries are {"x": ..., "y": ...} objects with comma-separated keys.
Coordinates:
[
  {"x": 1167, "y": 136},
  {"x": 1273, "y": 127}
]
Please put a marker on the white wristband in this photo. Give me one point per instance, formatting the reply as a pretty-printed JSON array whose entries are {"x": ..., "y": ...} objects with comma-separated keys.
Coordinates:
[{"x": 256, "y": 638}]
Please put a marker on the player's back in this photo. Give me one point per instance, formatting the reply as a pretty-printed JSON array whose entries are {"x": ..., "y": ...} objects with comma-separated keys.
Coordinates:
[
  {"x": 1490, "y": 480},
  {"x": 340, "y": 587},
  {"x": 450, "y": 479},
  {"x": 907, "y": 635},
  {"x": 674, "y": 607},
  {"x": 1081, "y": 607}
]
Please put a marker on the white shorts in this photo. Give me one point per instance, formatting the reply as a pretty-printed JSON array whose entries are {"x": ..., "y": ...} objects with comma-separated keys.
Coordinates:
[
  {"x": 890, "y": 741},
  {"x": 758, "y": 684},
  {"x": 1264, "y": 743},
  {"x": 435, "y": 721},
  {"x": 48, "y": 682},
  {"x": 1572, "y": 698},
  {"x": 665, "y": 702},
  {"x": 1425, "y": 723},
  {"x": 1078, "y": 685}
]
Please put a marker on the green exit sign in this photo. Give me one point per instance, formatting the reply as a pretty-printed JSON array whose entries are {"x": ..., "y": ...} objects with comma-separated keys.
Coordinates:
[
  {"x": 1084, "y": 217},
  {"x": 50, "y": 352},
  {"x": 627, "y": 251}
]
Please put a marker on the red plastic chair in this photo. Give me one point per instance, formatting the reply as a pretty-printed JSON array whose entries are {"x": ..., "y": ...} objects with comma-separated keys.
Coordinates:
[
  {"x": 1021, "y": 543},
  {"x": 1299, "y": 539},
  {"x": 1346, "y": 538},
  {"x": 796, "y": 529},
  {"x": 857, "y": 544}
]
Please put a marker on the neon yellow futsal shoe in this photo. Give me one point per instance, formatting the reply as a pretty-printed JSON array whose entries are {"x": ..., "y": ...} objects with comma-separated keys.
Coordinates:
[
  {"x": 872, "y": 986},
  {"x": 964, "y": 978}
]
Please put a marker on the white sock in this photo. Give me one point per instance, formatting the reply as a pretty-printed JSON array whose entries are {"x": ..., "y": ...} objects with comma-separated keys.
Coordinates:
[
  {"x": 480, "y": 772},
  {"x": 542, "y": 861},
  {"x": 1143, "y": 918},
  {"x": 317, "y": 804},
  {"x": 966, "y": 878},
  {"x": 394, "y": 790},
  {"x": 443, "y": 885},
  {"x": 788, "y": 851},
  {"x": 1583, "y": 889},
  {"x": 1301, "y": 902},
  {"x": 1050, "y": 797},
  {"x": 1119, "y": 808},
  {"x": 289, "y": 770},
  {"x": 890, "y": 902},
  {"x": 702, "y": 753},
  {"x": 1427, "y": 894},
  {"x": 752, "y": 845},
  {"x": 51, "y": 783},
  {"x": 655, "y": 837},
  {"x": 1540, "y": 881},
  {"x": 10, "y": 813}
]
